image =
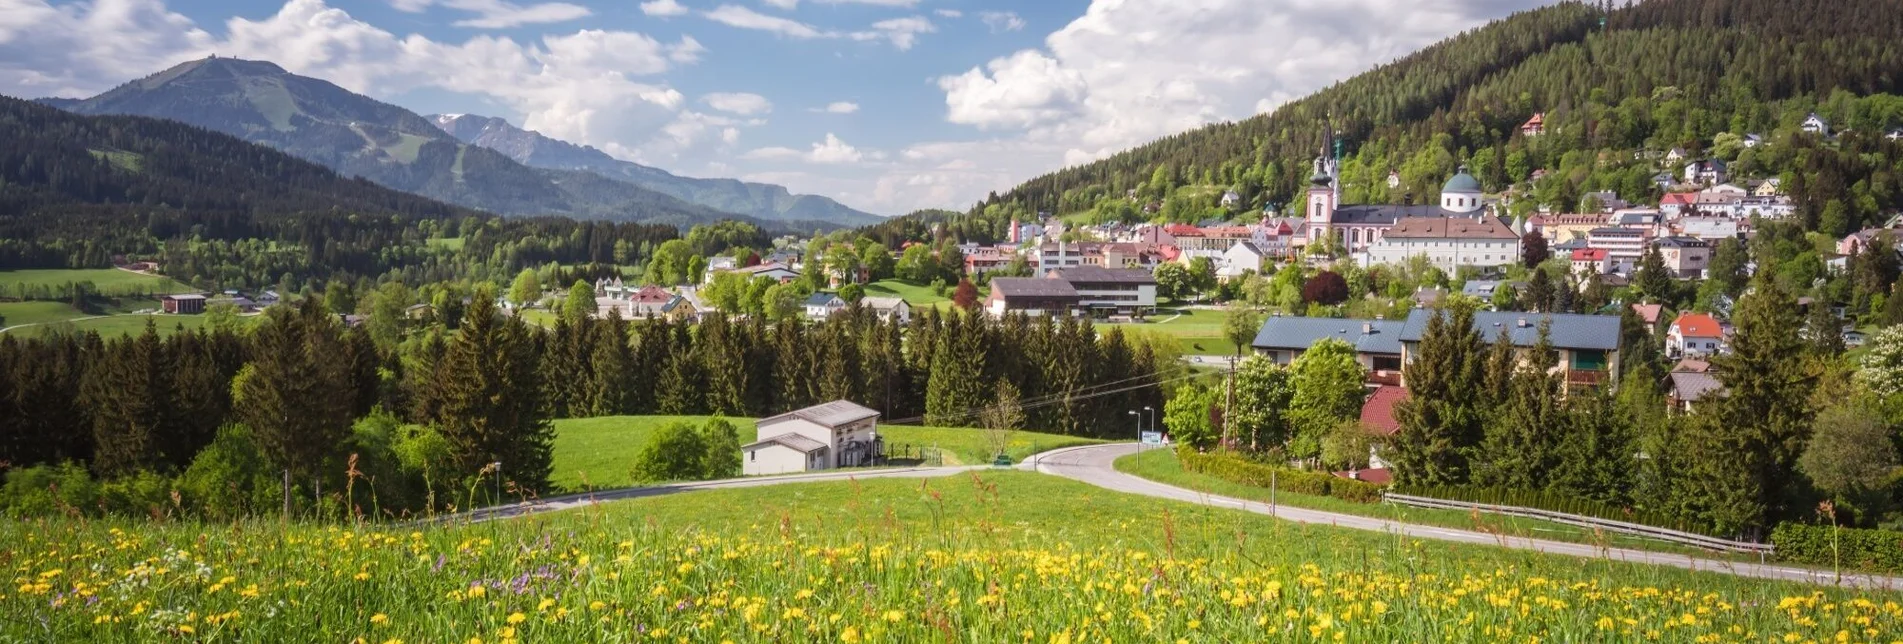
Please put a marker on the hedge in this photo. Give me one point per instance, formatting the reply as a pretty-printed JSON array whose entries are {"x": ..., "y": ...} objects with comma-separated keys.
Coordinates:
[
  {"x": 1876, "y": 550},
  {"x": 1233, "y": 469},
  {"x": 1551, "y": 502}
]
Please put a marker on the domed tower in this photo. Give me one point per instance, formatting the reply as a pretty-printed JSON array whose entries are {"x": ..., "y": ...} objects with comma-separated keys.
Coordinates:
[
  {"x": 1321, "y": 201},
  {"x": 1461, "y": 195}
]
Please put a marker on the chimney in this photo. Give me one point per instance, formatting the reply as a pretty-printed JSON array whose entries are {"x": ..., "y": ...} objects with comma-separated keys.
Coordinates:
[
  {"x": 1522, "y": 323},
  {"x": 1367, "y": 328}
]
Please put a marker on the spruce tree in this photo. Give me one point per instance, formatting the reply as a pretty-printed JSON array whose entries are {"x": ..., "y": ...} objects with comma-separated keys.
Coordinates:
[
  {"x": 955, "y": 387},
  {"x": 1653, "y": 280},
  {"x": 1823, "y": 330},
  {"x": 296, "y": 394},
  {"x": 611, "y": 383},
  {"x": 1442, "y": 419},
  {"x": 1517, "y": 450},
  {"x": 491, "y": 401},
  {"x": 722, "y": 441}
]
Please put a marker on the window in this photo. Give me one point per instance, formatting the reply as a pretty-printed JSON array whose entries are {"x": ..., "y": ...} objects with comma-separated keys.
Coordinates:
[
  {"x": 753, "y": 455},
  {"x": 1589, "y": 360}
]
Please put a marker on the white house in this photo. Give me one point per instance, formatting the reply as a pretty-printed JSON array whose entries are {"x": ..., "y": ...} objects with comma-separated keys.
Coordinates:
[
  {"x": 889, "y": 308},
  {"x": 1449, "y": 242},
  {"x": 1110, "y": 291},
  {"x": 1243, "y": 257},
  {"x": 832, "y": 435},
  {"x": 1694, "y": 334},
  {"x": 822, "y": 305},
  {"x": 1815, "y": 124},
  {"x": 779, "y": 272}
]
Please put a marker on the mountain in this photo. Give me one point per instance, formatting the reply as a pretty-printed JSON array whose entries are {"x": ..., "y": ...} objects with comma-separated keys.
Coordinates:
[
  {"x": 764, "y": 201},
  {"x": 1616, "y": 87},
  {"x": 356, "y": 135}
]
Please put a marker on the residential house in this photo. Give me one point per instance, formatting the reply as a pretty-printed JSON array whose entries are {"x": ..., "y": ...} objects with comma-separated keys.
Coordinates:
[
  {"x": 1243, "y": 258},
  {"x": 984, "y": 259},
  {"x": 1566, "y": 227},
  {"x": 1685, "y": 257},
  {"x": 833, "y": 435},
  {"x": 1030, "y": 296},
  {"x": 1752, "y": 140},
  {"x": 1231, "y": 200},
  {"x": 1534, "y": 126},
  {"x": 1123, "y": 292},
  {"x": 1694, "y": 334},
  {"x": 1645, "y": 219},
  {"x": 1486, "y": 289},
  {"x": 1664, "y": 181},
  {"x": 1853, "y": 338},
  {"x": 820, "y": 306},
  {"x": 1377, "y": 343},
  {"x": 1815, "y": 124},
  {"x": 418, "y": 311},
  {"x": 1588, "y": 345},
  {"x": 1591, "y": 261},
  {"x": 1707, "y": 171},
  {"x": 1858, "y": 241},
  {"x": 1649, "y": 314},
  {"x": 1771, "y": 187},
  {"x": 1448, "y": 242},
  {"x": 1055, "y": 255},
  {"x": 1377, "y": 414},
  {"x": 1676, "y": 154},
  {"x": 268, "y": 299},
  {"x": 1608, "y": 200},
  {"x": 1711, "y": 228},
  {"x": 1676, "y": 204},
  {"x": 775, "y": 270},
  {"x": 891, "y": 309},
  {"x": 182, "y": 304},
  {"x": 1691, "y": 388}
]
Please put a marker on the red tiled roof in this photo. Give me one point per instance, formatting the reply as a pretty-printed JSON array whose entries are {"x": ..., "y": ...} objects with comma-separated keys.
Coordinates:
[
  {"x": 1183, "y": 230},
  {"x": 1649, "y": 312},
  {"x": 1679, "y": 198},
  {"x": 1378, "y": 413},
  {"x": 1588, "y": 254},
  {"x": 1698, "y": 325}
]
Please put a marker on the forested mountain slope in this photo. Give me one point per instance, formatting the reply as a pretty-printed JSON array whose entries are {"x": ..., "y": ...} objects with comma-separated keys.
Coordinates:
[{"x": 1643, "y": 78}]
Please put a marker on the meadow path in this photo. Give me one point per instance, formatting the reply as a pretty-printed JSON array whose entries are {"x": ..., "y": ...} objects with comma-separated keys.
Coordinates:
[{"x": 1095, "y": 465}]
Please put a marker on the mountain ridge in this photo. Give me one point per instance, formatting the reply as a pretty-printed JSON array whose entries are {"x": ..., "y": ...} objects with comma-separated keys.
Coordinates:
[{"x": 534, "y": 149}]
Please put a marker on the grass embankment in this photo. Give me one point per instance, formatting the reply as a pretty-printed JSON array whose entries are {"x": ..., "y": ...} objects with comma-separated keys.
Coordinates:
[
  {"x": 19, "y": 313},
  {"x": 1162, "y": 466},
  {"x": 991, "y": 557},
  {"x": 593, "y": 453}
]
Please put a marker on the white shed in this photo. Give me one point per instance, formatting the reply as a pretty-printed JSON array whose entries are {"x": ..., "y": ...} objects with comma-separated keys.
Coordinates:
[{"x": 835, "y": 434}]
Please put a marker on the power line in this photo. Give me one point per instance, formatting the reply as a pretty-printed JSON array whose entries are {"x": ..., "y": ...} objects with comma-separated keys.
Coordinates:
[{"x": 1056, "y": 399}]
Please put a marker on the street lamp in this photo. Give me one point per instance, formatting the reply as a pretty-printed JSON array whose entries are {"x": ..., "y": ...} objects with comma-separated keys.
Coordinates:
[{"x": 1139, "y": 416}]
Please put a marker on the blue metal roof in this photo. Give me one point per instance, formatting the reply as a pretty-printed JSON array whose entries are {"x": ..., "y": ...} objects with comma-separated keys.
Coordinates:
[
  {"x": 1569, "y": 331},
  {"x": 1300, "y": 333}
]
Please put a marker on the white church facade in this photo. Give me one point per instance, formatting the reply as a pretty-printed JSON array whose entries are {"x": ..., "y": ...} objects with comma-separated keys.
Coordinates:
[{"x": 1459, "y": 231}]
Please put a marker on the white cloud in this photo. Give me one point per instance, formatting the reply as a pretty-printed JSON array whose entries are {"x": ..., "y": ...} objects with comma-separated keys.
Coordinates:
[
  {"x": 880, "y": 3},
  {"x": 833, "y": 150},
  {"x": 902, "y": 32},
  {"x": 730, "y": 135},
  {"x": 1001, "y": 21},
  {"x": 949, "y": 13},
  {"x": 1026, "y": 89},
  {"x": 744, "y": 18},
  {"x": 741, "y": 103},
  {"x": 663, "y": 8},
  {"x": 788, "y": 5},
  {"x": 838, "y": 107},
  {"x": 499, "y": 14},
  {"x": 772, "y": 154}
]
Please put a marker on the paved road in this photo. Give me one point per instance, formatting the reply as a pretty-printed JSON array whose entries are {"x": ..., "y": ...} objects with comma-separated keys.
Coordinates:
[{"x": 1093, "y": 465}]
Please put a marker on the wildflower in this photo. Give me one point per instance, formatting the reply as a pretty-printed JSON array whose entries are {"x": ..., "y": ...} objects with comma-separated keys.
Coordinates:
[
  {"x": 850, "y": 636},
  {"x": 517, "y": 618},
  {"x": 895, "y": 616},
  {"x": 379, "y": 618}
]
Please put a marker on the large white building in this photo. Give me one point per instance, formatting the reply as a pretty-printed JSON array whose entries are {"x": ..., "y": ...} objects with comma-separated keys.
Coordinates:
[
  {"x": 1465, "y": 235},
  {"x": 823, "y": 437},
  {"x": 1111, "y": 291}
]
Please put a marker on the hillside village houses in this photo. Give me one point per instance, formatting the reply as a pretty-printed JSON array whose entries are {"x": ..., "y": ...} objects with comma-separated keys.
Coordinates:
[{"x": 1694, "y": 334}]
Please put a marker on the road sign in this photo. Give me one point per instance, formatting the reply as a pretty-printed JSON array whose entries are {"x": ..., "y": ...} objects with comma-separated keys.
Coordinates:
[{"x": 1152, "y": 438}]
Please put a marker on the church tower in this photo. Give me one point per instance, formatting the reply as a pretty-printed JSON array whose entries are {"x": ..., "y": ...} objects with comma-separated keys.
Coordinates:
[{"x": 1321, "y": 202}]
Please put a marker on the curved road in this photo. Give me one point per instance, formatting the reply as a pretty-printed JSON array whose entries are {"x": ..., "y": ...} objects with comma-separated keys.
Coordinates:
[
  {"x": 572, "y": 501},
  {"x": 1094, "y": 465}
]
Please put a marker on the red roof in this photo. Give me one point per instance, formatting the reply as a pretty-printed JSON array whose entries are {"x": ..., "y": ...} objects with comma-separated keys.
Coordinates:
[
  {"x": 1649, "y": 312},
  {"x": 1679, "y": 198},
  {"x": 1698, "y": 325},
  {"x": 1588, "y": 254},
  {"x": 1378, "y": 413},
  {"x": 1184, "y": 230}
]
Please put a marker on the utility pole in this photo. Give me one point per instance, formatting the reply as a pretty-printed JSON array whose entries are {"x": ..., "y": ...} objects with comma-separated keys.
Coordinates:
[{"x": 1228, "y": 404}]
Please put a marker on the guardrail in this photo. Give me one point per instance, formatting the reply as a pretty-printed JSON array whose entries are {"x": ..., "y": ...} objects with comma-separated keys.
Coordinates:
[{"x": 1636, "y": 529}]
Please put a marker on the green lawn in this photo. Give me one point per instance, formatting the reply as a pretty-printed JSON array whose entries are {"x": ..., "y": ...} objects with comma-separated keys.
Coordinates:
[
  {"x": 18, "y": 313},
  {"x": 598, "y": 452},
  {"x": 1199, "y": 331},
  {"x": 1162, "y": 466},
  {"x": 118, "y": 325},
  {"x": 111, "y": 282},
  {"x": 913, "y": 294}
]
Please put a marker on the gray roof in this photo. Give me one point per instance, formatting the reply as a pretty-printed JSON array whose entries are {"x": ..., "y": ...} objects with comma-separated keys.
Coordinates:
[
  {"x": 1032, "y": 287},
  {"x": 1384, "y": 336},
  {"x": 824, "y": 299},
  {"x": 795, "y": 442},
  {"x": 832, "y": 414},
  {"x": 1692, "y": 386},
  {"x": 882, "y": 303},
  {"x": 1570, "y": 330},
  {"x": 1100, "y": 275},
  {"x": 1461, "y": 182}
]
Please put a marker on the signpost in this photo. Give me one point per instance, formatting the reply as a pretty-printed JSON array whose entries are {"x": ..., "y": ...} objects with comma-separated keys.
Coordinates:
[{"x": 1152, "y": 438}]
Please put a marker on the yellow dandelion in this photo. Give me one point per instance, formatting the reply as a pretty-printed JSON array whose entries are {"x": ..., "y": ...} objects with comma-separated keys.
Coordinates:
[
  {"x": 517, "y": 618},
  {"x": 850, "y": 636},
  {"x": 379, "y": 618},
  {"x": 895, "y": 616}
]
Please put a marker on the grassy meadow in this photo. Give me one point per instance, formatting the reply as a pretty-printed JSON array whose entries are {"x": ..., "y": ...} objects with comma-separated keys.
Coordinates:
[
  {"x": 593, "y": 453},
  {"x": 19, "y": 313},
  {"x": 128, "y": 324},
  {"x": 1198, "y": 331},
  {"x": 111, "y": 282},
  {"x": 991, "y": 556}
]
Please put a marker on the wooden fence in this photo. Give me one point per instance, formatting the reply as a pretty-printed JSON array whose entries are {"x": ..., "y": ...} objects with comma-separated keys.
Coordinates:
[{"x": 1622, "y": 527}]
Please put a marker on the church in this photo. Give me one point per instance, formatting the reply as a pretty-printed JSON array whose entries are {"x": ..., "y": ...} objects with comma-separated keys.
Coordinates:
[{"x": 1457, "y": 232}]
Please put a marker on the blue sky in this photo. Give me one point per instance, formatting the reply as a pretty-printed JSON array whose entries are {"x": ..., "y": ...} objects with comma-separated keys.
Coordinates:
[{"x": 886, "y": 105}]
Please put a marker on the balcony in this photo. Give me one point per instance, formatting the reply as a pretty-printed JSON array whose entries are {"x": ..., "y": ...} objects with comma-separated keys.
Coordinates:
[
  {"x": 1387, "y": 378},
  {"x": 1586, "y": 377}
]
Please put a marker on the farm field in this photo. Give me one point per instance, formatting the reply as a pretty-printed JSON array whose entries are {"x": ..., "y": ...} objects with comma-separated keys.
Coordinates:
[
  {"x": 118, "y": 325},
  {"x": 593, "y": 453},
  {"x": 19, "y": 313},
  {"x": 990, "y": 556},
  {"x": 1162, "y": 466},
  {"x": 111, "y": 282}
]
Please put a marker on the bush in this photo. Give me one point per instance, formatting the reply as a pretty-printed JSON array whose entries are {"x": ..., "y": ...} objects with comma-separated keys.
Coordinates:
[
  {"x": 49, "y": 490},
  {"x": 1235, "y": 469},
  {"x": 1876, "y": 550},
  {"x": 1550, "y": 502},
  {"x": 676, "y": 453}
]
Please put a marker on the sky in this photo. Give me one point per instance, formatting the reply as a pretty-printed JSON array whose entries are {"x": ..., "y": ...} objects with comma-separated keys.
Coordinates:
[{"x": 888, "y": 106}]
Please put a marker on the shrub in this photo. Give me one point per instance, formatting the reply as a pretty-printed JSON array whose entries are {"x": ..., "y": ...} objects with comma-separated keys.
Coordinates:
[
  {"x": 1235, "y": 469},
  {"x": 1878, "y": 550},
  {"x": 48, "y": 490},
  {"x": 677, "y": 453}
]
